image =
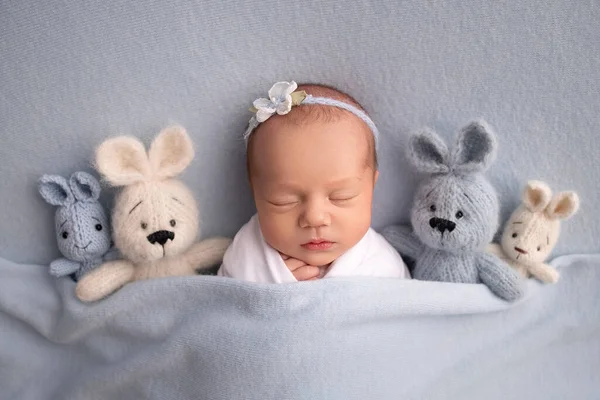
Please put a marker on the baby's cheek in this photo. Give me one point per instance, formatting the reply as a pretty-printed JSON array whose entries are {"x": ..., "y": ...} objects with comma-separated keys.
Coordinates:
[
  {"x": 354, "y": 223},
  {"x": 275, "y": 229}
]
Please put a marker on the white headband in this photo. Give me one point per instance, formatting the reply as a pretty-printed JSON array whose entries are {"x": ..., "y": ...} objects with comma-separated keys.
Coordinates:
[{"x": 282, "y": 96}]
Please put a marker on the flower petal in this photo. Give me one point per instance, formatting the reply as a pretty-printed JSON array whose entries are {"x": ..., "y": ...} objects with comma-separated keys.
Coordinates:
[
  {"x": 282, "y": 89},
  {"x": 264, "y": 104},
  {"x": 262, "y": 114},
  {"x": 293, "y": 86},
  {"x": 285, "y": 106}
]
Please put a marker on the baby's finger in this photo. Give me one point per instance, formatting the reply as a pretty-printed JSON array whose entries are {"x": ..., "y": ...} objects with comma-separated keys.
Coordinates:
[
  {"x": 285, "y": 257},
  {"x": 293, "y": 264},
  {"x": 307, "y": 272}
]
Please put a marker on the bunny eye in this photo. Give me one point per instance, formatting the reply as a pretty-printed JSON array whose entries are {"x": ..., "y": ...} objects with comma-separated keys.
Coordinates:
[
  {"x": 539, "y": 248},
  {"x": 144, "y": 225},
  {"x": 65, "y": 235},
  {"x": 433, "y": 207},
  {"x": 514, "y": 235},
  {"x": 173, "y": 222},
  {"x": 459, "y": 214},
  {"x": 98, "y": 227}
]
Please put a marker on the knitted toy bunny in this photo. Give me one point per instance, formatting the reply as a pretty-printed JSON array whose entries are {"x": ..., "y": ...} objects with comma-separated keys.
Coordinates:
[
  {"x": 82, "y": 229},
  {"x": 532, "y": 231},
  {"x": 155, "y": 218},
  {"x": 455, "y": 213}
]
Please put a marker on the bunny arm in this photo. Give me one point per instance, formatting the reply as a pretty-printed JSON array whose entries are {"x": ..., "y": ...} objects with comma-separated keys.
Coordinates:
[
  {"x": 499, "y": 277},
  {"x": 63, "y": 267},
  {"x": 111, "y": 255},
  {"x": 496, "y": 249},
  {"x": 544, "y": 272},
  {"x": 207, "y": 253},
  {"x": 105, "y": 280},
  {"x": 403, "y": 240}
]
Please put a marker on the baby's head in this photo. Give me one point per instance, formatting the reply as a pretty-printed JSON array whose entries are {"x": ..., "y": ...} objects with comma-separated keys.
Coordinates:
[{"x": 313, "y": 171}]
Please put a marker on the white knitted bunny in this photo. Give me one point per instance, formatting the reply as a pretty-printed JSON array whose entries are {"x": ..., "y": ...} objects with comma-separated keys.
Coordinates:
[
  {"x": 155, "y": 218},
  {"x": 533, "y": 229}
]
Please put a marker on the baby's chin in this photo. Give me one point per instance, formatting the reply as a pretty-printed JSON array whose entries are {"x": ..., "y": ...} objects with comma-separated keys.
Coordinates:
[{"x": 318, "y": 258}]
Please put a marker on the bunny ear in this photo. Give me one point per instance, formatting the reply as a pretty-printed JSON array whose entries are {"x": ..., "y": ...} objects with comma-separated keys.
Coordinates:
[
  {"x": 563, "y": 205},
  {"x": 84, "y": 186},
  {"x": 428, "y": 152},
  {"x": 171, "y": 152},
  {"x": 123, "y": 161},
  {"x": 55, "y": 190},
  {"x": 536, "y": 196},
  {"x": 476, "y": 148}
]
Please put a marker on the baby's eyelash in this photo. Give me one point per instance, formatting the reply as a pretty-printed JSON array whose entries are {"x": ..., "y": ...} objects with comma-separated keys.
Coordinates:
[
  {"x": 342, "y": 198},
  {"x": 283, "y": 204}
]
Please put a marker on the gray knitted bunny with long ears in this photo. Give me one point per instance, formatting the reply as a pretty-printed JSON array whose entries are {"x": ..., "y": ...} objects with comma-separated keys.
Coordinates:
[
  {"x": 82, "y": 227},
  {"x": 455, "y": 213}
]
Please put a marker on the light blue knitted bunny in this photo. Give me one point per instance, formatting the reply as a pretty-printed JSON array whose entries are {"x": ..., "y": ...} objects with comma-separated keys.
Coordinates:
[
  {"x": 455, "y": 213},
  {"x": 82, "y": 228}
]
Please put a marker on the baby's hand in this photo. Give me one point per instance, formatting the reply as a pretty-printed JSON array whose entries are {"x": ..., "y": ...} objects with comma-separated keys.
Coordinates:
[{"x": 301, "y": 270}]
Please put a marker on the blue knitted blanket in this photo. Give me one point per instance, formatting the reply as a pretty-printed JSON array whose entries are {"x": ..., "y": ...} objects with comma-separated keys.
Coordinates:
[{"x": 206, "y": 337}]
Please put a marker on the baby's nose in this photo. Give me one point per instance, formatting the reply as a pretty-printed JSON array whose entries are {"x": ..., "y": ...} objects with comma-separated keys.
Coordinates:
[{"x": 315, "y": 215}]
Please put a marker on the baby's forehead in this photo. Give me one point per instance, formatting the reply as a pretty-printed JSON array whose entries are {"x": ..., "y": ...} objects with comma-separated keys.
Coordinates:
[{"x": 330, "y": 130}]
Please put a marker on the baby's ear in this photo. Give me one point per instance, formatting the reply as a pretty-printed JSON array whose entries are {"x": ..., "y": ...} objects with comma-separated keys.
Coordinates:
[
  {"x": 563, "y": 205},
  {"x": 428, "y": 152},
  {"x": 55, "y": 190},
  {"x": 536, "y": 196},
  {"x": 476, "y": 149},
  {"x": 122, "y": 161},
  {"x": 84, "y": 186},
  {"x": 171, "y": 152}
]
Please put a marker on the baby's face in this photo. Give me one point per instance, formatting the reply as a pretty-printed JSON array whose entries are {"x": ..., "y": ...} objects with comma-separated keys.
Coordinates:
[{"x": 313, "y": 187}]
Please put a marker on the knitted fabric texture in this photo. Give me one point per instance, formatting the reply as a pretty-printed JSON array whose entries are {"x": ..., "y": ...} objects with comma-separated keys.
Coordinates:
[
  {"x": 155, "y": 218},
  {"x": 533, "y": 229},
  {"x": 81, "y": 225},
  {"x": 455, "y": 213}
]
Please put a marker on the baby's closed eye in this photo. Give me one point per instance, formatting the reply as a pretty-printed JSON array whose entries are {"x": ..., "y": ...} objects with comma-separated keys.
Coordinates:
[
  {"x": 283, "y": 201},
  {"x": 342, "y": 197}
]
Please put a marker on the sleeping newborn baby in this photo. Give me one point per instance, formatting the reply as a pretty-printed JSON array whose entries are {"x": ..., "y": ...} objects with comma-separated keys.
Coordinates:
[{"x": 312, "y": 166}]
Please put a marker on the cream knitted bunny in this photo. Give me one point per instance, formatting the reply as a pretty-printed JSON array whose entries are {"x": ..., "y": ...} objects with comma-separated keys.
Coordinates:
[
  {"x": 155, "y": 218},
  {"x": 533, "y": 229}
]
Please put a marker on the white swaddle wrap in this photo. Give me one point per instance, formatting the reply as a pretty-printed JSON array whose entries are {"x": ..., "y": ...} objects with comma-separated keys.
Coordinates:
[{"x": 250, "y": 258}]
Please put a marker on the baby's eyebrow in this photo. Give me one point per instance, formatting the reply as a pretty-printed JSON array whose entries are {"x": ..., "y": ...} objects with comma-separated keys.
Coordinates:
[
  {"x": 134, "y": 207},
  {"x": 286, "y": 186},
  {"x": 346, "y": 181}
]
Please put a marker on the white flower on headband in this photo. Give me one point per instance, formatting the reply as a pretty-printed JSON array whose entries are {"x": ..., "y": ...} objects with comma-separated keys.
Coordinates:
[
  {"x": 280, "y": 101},
  {"x": 282, "y": 97}
]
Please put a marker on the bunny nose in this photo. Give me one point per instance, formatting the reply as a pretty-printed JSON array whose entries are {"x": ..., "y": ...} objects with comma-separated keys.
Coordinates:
[
  {"x": 161, "y": 237},
  {"x": 442, "y": 225}
]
